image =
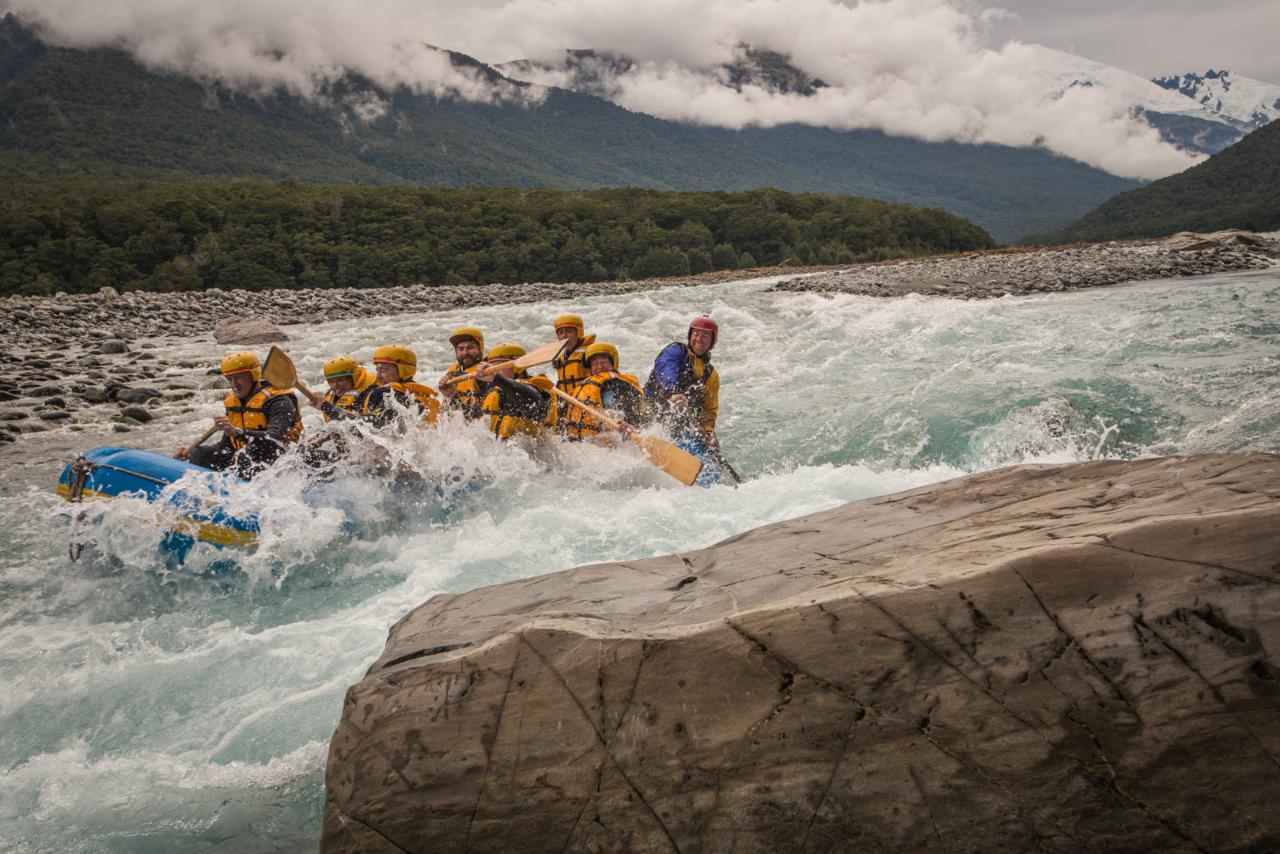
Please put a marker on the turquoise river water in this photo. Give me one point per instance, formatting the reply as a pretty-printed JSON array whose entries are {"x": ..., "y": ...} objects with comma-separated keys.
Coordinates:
[{"x": 145, "y": 709}]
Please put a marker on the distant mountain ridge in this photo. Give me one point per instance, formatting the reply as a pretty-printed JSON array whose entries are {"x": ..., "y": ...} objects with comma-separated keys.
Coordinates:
[
  {"x": 99, "y": 112},
  {"x": 1200, "y": 114}
]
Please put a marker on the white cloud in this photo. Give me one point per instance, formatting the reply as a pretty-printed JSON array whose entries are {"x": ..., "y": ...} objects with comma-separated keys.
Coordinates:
[{"x": 918, "y": 68}]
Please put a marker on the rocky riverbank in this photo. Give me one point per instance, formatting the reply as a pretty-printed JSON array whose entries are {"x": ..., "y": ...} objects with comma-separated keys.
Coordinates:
[
  {"x": 1049, "y": 658},
  {"x": 75, "y": 353},
  {"x": 1019, "y": 272}
]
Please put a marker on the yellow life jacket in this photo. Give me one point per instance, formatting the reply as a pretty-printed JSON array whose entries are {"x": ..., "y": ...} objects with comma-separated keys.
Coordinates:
[
  {"x": 577, "y": 423},
  {"x": 251, "y": 414},
  {"x": 572, "y": 369},
  {"x": 423, "y": 395},
  {"x": 504, "y": 425},
  {"x": 469, "y": 393},
  {"x": 353, "y": 400}
]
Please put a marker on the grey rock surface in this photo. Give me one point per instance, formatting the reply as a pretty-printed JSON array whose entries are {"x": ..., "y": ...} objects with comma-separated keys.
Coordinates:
[
  {"x": 1054, "y": 658},
  {"x": 247, "y": 329}
]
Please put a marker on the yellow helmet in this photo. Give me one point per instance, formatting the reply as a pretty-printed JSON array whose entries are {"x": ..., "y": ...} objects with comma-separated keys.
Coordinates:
[
  {"x": 238, "y": 363},
  {"x": 462, "y": 333},
  {"x": 605, "y": 348},
  {"x": 399, "y": 355},
  {"x": 340, "y": 366},
  {"x": 570, "y": 320},
  {"x": 505, "y": 350}
]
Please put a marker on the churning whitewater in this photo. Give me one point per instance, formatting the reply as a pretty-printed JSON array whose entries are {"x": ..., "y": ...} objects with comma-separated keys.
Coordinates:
[{"x": 149, "y": 707}]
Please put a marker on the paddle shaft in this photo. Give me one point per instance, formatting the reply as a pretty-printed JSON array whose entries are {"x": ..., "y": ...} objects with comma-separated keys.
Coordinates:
[
  {"x": 596, "y": 413},
  {"x": 535, "y": 357}
]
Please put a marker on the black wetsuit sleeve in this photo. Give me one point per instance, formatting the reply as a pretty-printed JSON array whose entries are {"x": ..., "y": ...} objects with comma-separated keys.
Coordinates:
[
  {"x": 335, "y": 412},
  {"x": 525, "y": 392},
  {"x": 282, "y": 414},
  {"x": 523, "y": 400}
]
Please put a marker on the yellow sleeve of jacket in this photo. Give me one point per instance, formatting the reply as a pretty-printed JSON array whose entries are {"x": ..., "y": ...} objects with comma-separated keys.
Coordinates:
[{"x": 711, "y": 403}]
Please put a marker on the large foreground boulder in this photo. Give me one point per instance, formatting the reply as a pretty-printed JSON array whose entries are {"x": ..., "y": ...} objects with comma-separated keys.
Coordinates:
[{"x": 1062, "y": 658}]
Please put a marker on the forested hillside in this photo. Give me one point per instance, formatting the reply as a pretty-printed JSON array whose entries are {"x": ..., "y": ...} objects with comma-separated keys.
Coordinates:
[
  {"x": 99, "y": 113},
  {"x": 1237, "y": 188},
  {"x": 78, "y": 235}
]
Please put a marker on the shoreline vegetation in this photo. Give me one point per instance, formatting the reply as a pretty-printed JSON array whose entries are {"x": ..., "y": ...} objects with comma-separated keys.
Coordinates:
[{"x": 79, "y": 235}]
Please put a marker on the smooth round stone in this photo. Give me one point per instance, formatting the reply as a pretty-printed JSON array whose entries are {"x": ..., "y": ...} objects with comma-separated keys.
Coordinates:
[{"x": 55, "y": 415}]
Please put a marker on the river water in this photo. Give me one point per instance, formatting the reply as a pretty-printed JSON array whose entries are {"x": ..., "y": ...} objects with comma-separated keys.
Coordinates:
[{"x": 151, "y": 709}]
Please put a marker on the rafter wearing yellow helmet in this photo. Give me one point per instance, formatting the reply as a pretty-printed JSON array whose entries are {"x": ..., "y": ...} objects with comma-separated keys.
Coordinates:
[
  {"x": 516, "y": 404},
  {"x": 395, "y": 392},
  {"x": 259, "y": 424},
  {"x": 606, "y": 389},
  {"x": 570, "y": 365},
  {"x": 461, "y": 391},
  {"x": 349, "y": 384}
]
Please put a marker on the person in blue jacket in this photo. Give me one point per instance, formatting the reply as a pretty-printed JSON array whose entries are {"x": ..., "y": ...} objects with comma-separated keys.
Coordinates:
[{"x": 684, "y": 389}]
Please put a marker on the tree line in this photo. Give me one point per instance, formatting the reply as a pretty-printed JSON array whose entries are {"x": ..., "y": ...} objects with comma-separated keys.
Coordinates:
[{"x": 79, "y": 235}]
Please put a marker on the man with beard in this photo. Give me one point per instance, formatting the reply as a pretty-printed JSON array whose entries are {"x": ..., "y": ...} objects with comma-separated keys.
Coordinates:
[{"x": 461, "y": 390}]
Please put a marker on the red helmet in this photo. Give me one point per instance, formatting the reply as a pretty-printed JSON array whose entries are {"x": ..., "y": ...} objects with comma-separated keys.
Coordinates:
[{"x": 707, "y": 324}]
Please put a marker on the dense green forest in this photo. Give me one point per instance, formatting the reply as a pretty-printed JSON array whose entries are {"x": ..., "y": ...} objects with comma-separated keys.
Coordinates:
[
  {"x": 98, "y": 113},
  {"x": 78, "y": 235},
  {"x": 1239, "y": 187}
]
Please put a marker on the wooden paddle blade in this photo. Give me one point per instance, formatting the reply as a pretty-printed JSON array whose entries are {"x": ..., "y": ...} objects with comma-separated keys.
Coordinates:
[
  {"x": 279, "y": 371},
  {"x": 675, "y": 461},
  {"x": 539, "y": 355}
]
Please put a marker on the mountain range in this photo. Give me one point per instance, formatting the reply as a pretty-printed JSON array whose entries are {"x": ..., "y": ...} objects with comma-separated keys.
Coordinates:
[
  {"x": 1198, "y": 113},
  {"x": 100, "y": 112}
]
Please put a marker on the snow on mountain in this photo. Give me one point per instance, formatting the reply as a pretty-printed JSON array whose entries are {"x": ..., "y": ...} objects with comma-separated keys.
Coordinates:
[
  {"x": 1060, "y": 71},
  {"x": 1249, "y": 101}
]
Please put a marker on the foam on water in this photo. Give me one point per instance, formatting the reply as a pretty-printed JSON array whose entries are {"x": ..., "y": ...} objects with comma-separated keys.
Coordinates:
[{"x": 152, "y": 708}]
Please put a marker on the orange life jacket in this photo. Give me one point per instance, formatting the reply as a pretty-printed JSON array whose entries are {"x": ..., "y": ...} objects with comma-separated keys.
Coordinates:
[
  {"x": 504, "y": 424},
  {"x": 251, "y": 414},
  {"x": 577, "y": 423}
]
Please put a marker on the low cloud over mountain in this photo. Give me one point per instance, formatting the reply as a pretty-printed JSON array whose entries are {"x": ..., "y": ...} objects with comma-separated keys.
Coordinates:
[{"x": 915, "y": 68}]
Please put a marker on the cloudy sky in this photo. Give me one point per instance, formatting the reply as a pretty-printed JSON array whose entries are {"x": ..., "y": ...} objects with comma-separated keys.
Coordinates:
[
  {"x": 1156, "y": 38},
  {"x": 930, "y": 69}
]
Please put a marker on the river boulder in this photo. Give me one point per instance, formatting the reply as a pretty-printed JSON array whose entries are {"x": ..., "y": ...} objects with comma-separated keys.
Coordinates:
[
  {"x": 1061, "y": 658},
  {"x": 247, "y": 329}
]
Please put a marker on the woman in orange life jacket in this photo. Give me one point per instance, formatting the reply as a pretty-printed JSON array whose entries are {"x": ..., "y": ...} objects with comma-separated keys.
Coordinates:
[
  {"x": 517, "y": 404},
  {"x": 606, "y": 389},
  {"x": 259, "y": 424},
  {"x": 349, "y": 384},
  {"x": 395, "y": 393},
  {"x": 467, "y": 394},
  {"x": 571, "y": 364},
  {"x": 684, "y": 388}
]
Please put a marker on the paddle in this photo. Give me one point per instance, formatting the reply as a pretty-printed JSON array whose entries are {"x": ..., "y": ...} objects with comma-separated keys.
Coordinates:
[
  {"x": 715, "y": 452},
  {"x": 280, "y": 372},
  {"x": 537, "y": 356},
  {"x": 675, "y": 461},
  {"x": 204, "y": 437}
]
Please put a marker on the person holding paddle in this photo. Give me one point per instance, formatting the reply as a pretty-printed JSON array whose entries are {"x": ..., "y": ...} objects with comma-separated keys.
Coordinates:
[
  {"x": 571, "y": 362},
  {"x": 460, "y": 388},
  {"x": 259, "y": 424},
  {"x": 517, "y": 404},
  {"x": 605, "y": 389},
  {"x": 684, "y": 387},
  {"x": 349, "y": 384}
]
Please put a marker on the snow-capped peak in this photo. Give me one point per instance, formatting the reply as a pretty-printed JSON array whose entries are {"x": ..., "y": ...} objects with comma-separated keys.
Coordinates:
[{"x": 1246, "y": 100}]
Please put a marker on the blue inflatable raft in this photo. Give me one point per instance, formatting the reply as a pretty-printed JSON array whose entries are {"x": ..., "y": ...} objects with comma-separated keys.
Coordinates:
[{"x": 108, "y": 472}]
